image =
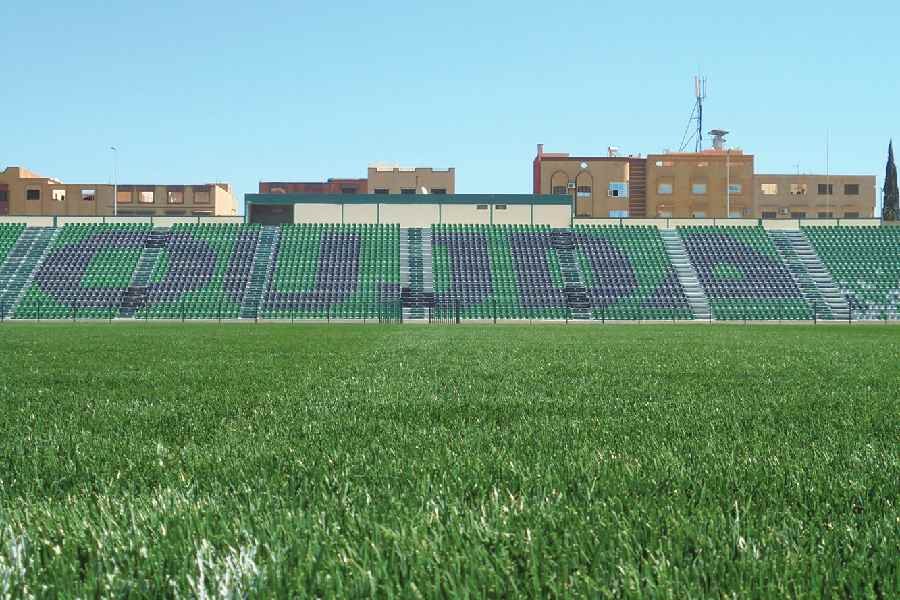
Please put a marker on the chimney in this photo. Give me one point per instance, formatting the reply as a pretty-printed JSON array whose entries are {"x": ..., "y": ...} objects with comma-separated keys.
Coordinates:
[{"x": 540, "y": 150}]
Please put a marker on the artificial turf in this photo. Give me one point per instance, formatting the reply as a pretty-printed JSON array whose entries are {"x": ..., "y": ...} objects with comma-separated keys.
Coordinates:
[{"x": 605, "y": 461}]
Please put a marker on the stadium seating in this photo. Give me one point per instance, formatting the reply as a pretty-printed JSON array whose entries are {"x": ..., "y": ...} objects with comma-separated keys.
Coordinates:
[
  {"x": 84, "y": 273},
  {"x": 499, "y": 271},
  {"x": 202, "y": 272},
  {"x": 865, "y": 265},
  {"x": 9, "y": 237},
  {"x": 742, "y": 274},
  {"x": 628, "y": 274},
  {"x": 320, "y": 271},
  {"x": 9, "y": 234},
  {"x": 334, "y": 271}
]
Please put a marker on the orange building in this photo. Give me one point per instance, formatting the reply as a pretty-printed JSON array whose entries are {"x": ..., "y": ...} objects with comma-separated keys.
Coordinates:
[{"x": 715, "y": 183}]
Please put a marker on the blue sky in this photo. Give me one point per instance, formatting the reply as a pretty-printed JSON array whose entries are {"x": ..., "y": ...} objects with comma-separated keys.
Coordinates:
[{"x": 200, "y": 91}]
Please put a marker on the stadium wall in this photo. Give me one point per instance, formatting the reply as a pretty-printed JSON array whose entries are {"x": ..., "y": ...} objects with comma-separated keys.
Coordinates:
[
  {"x": 768, "y": 224},
  {"x": 455, "y": 215},
  {"x": 411, "y": 210}
]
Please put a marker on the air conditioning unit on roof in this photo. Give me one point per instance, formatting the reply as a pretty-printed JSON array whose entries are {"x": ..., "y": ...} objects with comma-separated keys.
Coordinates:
[{"x": 571, "y": 186}]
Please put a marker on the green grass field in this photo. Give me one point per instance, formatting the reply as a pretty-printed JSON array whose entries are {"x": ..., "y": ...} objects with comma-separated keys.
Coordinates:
[{"x": 636, "y": 461}]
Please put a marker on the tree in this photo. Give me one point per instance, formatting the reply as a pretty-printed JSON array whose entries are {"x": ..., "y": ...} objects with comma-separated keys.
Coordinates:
[{"x": 891, "y": 206}]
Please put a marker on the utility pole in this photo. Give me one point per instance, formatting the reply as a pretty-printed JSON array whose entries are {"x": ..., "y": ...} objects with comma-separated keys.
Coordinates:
[
  {"x": 728, "y": 183},
  {"x": 827, "y": 171},
  {"x": 115, "y": 180}
]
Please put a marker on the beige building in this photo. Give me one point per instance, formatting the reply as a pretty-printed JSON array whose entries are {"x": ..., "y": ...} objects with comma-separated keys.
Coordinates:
[
  {"x": 392, "y": 179},
  {"x": 815, "y": 196},
  {"x": 712, "y": 184},
  {"x": 25, "y": 193}
]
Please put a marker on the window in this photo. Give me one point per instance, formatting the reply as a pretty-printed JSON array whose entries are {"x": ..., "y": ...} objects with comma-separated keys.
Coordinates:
[
  {"x": 32, "y": 194},
  {"x": 201, "y": 197},
  {"x": 769, "y": 189},
  {"x": 618, "y": 189},
  {"x": 702, "y": 164},
  {"x": 799, "y": 189},
  {"x": 769, "y": 215},
  {"x": 560, "y": 190},
  {"x": 825, "y": 215},
  {"x": 735, "y": 188},
  {"x": 826, "y": 189},
  {"x": 618, "y": 214},
  {"x": 798, "y": 215},
  {"x": 664, "y": 214},
  {"x": 698, "y": 189},
  {"x": 736, "y": 214},
  {"x": 699, "y": 215},
  {"x": 58, "y": 195},
  {"x": 665, "y": 163},
  {"x": 123, "y": 197},
  {"x": 348, "y": 190},
  {"x": 481, "y": 207},
  {"x": 408, "y": 191},
  {"x": 851, "y": 215},
  {"x": 664, "y": 189},
  {"x": 88, "y": 195},
  {"x": 146, "y": 197},
  {"x": 584, "y": 191},
  {"x": 176, "y": 197},
  {"x": 500, "y": 207},
  {"x": 851, "y": 189},
  {"x": 381, "y": 191},
  {"x": 439, "y": 191}
]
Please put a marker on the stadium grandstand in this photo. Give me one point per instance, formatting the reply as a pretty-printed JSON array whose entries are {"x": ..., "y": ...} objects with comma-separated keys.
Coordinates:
[{"x": 616, "y": 271}]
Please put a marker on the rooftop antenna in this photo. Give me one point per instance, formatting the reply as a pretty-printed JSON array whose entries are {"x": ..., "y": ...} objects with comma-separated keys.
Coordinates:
[{"x": 696, "y": 117}]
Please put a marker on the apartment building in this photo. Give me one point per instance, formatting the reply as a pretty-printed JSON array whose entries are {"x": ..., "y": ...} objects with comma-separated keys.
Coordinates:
[
  {"x": 715, "y": 183},
  {"x": 25, "y": 193}
]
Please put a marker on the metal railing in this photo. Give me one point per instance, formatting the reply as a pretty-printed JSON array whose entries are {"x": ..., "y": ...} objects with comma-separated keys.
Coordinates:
[{"x": 446, "y": 311}]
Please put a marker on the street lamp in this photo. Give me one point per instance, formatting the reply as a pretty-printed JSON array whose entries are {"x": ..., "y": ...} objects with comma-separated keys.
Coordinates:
[{"x": 115, "y": 152}]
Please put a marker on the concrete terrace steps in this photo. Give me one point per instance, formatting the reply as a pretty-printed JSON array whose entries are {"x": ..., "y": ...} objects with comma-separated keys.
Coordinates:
[
  {"x": 136, "y": 294},
  {"x": 577, "y": 301},
  {"x": 812, "y": 277},
  {"x": 686, "y": 273},
  {"x": 17, "y": 273},
  {"x": 261, "y": 272},
  {"x": 416, "y": 273}
]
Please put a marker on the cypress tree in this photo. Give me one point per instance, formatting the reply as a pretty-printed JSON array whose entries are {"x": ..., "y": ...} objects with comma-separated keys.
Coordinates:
[{"x": 891, "y": 205}]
